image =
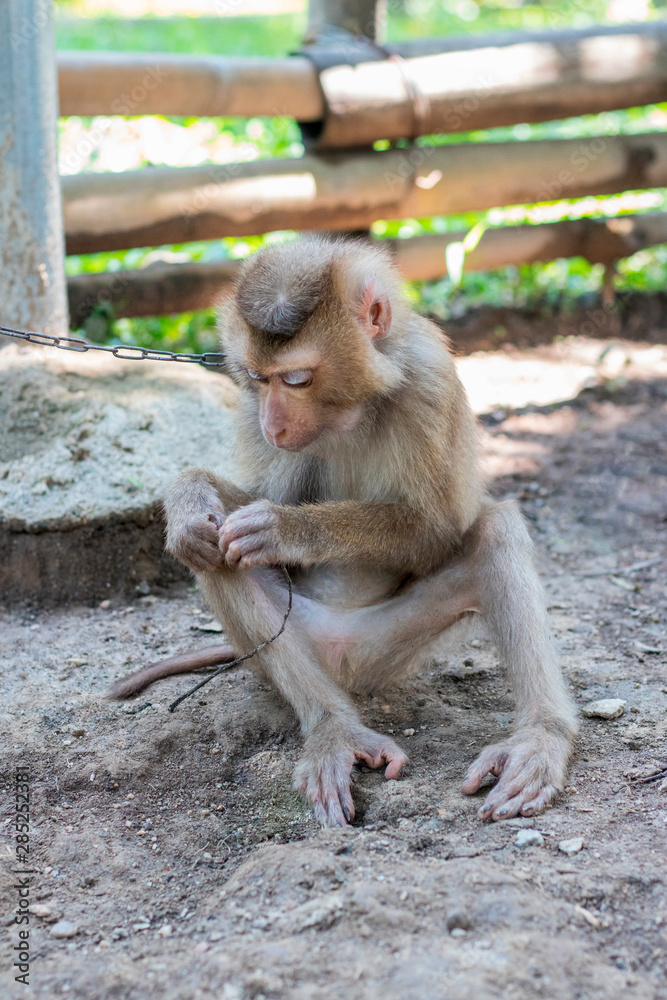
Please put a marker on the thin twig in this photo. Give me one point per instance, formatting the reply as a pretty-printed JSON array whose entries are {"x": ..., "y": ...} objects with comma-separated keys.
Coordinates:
[
  {"x": 648, "y": 777},
  {"x": 240, "y": 659}
]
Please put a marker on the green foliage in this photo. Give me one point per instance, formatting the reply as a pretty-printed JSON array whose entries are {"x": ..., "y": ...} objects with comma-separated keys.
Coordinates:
[
  {"x": 238, "y": 36},
  {"x": 552, "y": 285}
]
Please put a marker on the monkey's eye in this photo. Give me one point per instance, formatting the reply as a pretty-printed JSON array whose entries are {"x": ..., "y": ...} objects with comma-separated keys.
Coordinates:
[
  {"x": 255, "y": 375},
  {"x": 300, "y": 379}
]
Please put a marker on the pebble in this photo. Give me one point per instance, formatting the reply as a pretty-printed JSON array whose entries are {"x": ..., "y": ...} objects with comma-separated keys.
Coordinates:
[
  {"x": 408, "y": 732},
  {"x": 571, "y": 846},
  {"x": 605, "y": 708},
  {"x": 40, "y": 910},
  {"x": 458, "y": 932},
  {"x": 211, "y": 626},
  {"x": 64, "y": 929},
  {"x": 529, "y": 838},
  {"x": 641, "y": 647},
  {"x": 459, "y": 920},
  {"x": 466, "y": 852}
]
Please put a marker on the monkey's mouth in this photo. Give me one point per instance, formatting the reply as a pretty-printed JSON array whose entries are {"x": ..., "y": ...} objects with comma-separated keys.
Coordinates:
[{"x": 291, "y": 444}]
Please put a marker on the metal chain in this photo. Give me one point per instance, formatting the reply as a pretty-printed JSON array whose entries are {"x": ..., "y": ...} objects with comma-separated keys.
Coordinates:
[{"x": 124, "y": 351}]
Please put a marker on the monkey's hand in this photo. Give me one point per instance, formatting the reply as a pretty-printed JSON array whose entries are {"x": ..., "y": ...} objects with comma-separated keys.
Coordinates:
[
  {"x": 194, "y": 540},
  {"x": 323, "y": 773},
  {"x": 530, "y": 767},
  {"x": 250, "y": 536}
]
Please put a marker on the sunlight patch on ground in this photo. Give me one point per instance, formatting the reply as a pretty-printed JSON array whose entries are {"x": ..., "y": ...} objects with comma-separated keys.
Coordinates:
[{"x": 555, "y": 372}]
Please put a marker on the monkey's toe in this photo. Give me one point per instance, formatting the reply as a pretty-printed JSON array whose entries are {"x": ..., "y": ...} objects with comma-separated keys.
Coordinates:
[
  {"x": 326, "y": 785},
  {"x": 530, "y": 769}
]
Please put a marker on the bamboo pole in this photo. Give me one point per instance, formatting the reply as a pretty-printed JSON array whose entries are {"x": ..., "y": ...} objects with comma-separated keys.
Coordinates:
[
  {"x": 174, "y": 288},
  {"x": 32, "y": 264},
  {"x": 523, "y": 81},
  {"x": 137, "y": 83},
  {"x": 460, "y": 84},
  {"x": 346, "y": 192},
  {"x": 157, "y": 290}
]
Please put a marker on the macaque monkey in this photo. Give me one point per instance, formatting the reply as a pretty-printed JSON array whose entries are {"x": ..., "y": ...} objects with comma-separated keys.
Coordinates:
[{"x": 360, "y": 473}]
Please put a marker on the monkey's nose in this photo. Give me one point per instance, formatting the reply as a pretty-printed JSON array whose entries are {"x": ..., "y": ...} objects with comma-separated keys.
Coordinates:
[{"x": 276, "y": 438}]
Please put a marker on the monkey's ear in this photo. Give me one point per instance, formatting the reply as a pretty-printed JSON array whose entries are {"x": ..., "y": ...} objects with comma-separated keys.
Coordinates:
[{"x": 374, "y": 310}]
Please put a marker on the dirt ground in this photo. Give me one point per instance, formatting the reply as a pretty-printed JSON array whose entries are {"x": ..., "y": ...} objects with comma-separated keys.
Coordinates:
[{"x": 175, "y": 846}]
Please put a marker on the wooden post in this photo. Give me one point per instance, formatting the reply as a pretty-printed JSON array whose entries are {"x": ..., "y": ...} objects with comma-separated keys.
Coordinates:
[
  {"x": 365, "y": 18},
  {"x": 32, "y": 264},
  {"x": 359, "y": 17}
]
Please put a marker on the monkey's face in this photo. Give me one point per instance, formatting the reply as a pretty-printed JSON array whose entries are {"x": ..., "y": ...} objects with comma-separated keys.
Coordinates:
[
  {"x": 307, "y": 334},
  {"x": 293, "y": 410}
]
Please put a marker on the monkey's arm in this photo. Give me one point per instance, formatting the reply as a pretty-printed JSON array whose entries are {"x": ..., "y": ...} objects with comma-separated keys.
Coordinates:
[{"x": 393, "y": 536}]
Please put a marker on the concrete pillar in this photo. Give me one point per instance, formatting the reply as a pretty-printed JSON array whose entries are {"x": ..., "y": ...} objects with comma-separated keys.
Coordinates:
[{"x": 32, "y": 262}]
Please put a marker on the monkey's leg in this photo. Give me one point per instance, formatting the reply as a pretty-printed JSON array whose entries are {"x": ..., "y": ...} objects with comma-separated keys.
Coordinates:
[
  {"x": 531, "y": 765},
  {"x": 251, "y": 604},
  {"x": 497, "y": 578}
]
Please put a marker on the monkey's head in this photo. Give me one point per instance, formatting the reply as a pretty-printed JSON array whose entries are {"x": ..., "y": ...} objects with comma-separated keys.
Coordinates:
[{"x": 309, "y": 333}]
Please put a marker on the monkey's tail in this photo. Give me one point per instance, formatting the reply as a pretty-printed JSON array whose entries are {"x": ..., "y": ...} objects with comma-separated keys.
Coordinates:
[{"x": 181, "y": 663}]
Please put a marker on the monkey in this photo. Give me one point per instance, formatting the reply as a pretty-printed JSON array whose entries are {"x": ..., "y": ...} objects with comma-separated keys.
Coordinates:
[{"x": 360, "y": 473}]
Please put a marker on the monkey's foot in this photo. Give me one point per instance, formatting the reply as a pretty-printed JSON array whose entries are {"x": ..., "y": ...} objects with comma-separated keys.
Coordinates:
[
  {"x": 323, "y": 773},
  {"x": 530, "y": 767}
]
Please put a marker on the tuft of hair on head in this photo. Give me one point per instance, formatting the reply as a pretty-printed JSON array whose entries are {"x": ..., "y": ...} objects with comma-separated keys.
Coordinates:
[{"x": 281, "y": 286}]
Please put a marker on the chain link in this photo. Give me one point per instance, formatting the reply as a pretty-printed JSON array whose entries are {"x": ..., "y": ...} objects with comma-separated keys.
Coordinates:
[{"x": 124, "y": 351}]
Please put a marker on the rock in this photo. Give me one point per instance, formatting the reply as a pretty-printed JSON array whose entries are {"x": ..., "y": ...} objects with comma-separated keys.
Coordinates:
[
  {"x": 466, "y": 852},
  {"x": 64, "y": 929},
  {"x": 408, "y": 732},
  {"x": 458, "y": 932},
  {"x": 211, "y": 626},
  {"x": 529, "y": 838},
  {"x": 458, "y": 920},
  {"x": 605, "y": 708},
  {"x": 571, "y": 846},
  {"x": 84, "y": 462}
]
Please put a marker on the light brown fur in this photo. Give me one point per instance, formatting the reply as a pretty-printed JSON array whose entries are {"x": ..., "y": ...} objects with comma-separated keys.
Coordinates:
[{"x": 361, "y": 473}]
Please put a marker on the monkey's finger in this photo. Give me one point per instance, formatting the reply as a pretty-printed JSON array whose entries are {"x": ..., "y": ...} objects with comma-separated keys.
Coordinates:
[
  {"x": 329, "y": 812},
  {"x": 490, "y": 761},
  {"x": 395, "y": 766},
  {"x": 502, "y": 793},
  {"x": 333, "y": 806},
  {"x": 395, "y": 759},
  {"x": 242, "y": 548},
  {"x": 507, "y": 797},
  {"x": 546, "y": 794},
  {"x": 246, "y": 521},
  {"x": 507, "y": 810}
]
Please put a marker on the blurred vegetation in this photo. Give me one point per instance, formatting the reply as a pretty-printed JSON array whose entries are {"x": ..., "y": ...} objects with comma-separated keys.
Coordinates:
[{"x": 555, "y": 285}]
